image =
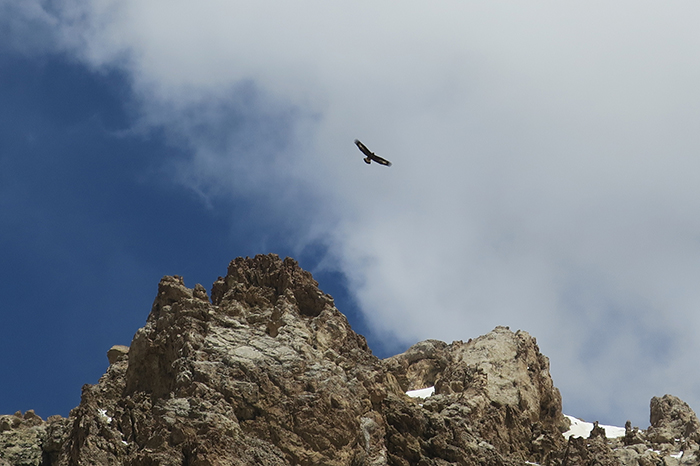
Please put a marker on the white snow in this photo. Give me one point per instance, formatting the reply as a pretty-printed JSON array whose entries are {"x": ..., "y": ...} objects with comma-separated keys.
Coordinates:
[
  {"x": 103, "y": 415},
  {"x": 580, "y": 428},
  {"x": 422, "y": 393},
  {"x": 677, "y": 455}
]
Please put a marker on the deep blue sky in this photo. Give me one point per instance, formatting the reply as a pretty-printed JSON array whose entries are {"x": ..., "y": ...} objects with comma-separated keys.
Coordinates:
[{"x": 91, "y": 221}]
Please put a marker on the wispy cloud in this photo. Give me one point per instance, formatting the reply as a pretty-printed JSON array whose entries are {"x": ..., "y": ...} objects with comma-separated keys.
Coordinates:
[{"x": 545, "y": 161}]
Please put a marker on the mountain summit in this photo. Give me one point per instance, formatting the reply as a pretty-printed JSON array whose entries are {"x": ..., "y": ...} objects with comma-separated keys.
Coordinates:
[{"x": 269, "y": 372}]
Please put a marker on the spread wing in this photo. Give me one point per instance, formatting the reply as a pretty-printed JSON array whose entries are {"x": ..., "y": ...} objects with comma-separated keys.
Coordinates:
[
  {"x": 363, "y": 148},
  {"x": 371, "y": 155},
  {"x": 381, "y": 161}
]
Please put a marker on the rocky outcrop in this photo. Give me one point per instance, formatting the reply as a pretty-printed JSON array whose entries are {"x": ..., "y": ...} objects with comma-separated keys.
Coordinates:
[
  {"x": 671, "y": 440},
  {"x": 269, "y": 372},
  {"x": 672, "y": 419},
  {"x": 26, "y": 440},
  {"x": 21, "y": 439},
  {"x": 497, "y": 388}
]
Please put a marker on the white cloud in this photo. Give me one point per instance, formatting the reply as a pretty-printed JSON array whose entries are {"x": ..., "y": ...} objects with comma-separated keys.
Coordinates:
[{"x": 545, "y": 160}]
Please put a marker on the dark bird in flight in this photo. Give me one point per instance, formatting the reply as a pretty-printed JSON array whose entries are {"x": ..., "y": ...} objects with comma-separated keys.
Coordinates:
[{"x": 371, "y": 155}]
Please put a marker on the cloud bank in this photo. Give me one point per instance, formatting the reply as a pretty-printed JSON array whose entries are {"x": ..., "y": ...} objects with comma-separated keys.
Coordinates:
[{"x": 545, "y": 169}]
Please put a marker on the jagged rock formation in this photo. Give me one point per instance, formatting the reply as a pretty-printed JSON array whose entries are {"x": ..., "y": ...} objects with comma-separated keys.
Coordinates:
[
  {"x": 671, "y": 440},
  {"x": 269, "y": 372},
  {"x": 496, "y": 388}
]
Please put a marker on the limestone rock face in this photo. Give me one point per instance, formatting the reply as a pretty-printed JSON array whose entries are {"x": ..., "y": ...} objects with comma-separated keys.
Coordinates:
[
  {"x": 20, "y": 439},
  {"x": 26, "y": 440},
  {"x": 499, "y": 382},
  {"x": 269, "y": 372}
]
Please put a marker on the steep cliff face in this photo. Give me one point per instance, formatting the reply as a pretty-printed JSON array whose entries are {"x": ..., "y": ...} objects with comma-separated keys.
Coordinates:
[{"x": 269, "y": 372}]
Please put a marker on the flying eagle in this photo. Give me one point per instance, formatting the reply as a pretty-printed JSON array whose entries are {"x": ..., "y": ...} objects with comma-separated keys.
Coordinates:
[{"x": 371, "y": 155}]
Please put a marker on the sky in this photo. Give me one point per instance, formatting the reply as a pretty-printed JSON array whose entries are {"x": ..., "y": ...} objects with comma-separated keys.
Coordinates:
[{"x": 545, "y": 177}]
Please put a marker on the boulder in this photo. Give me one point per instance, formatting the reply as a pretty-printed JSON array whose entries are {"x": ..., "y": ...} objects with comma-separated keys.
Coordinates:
[
  {"x": 117, "y": 352},
  {"x": 672, "y": 420}
]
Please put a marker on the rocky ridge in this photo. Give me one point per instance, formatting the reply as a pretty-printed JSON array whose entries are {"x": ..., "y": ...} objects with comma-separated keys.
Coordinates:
[{"x": 269, "y": 372}]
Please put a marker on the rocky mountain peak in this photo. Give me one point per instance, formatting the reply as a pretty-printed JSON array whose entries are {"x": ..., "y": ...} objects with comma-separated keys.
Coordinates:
[
  {"x": 260, "y": 281},
  {"x": 270, "y": 372}
]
